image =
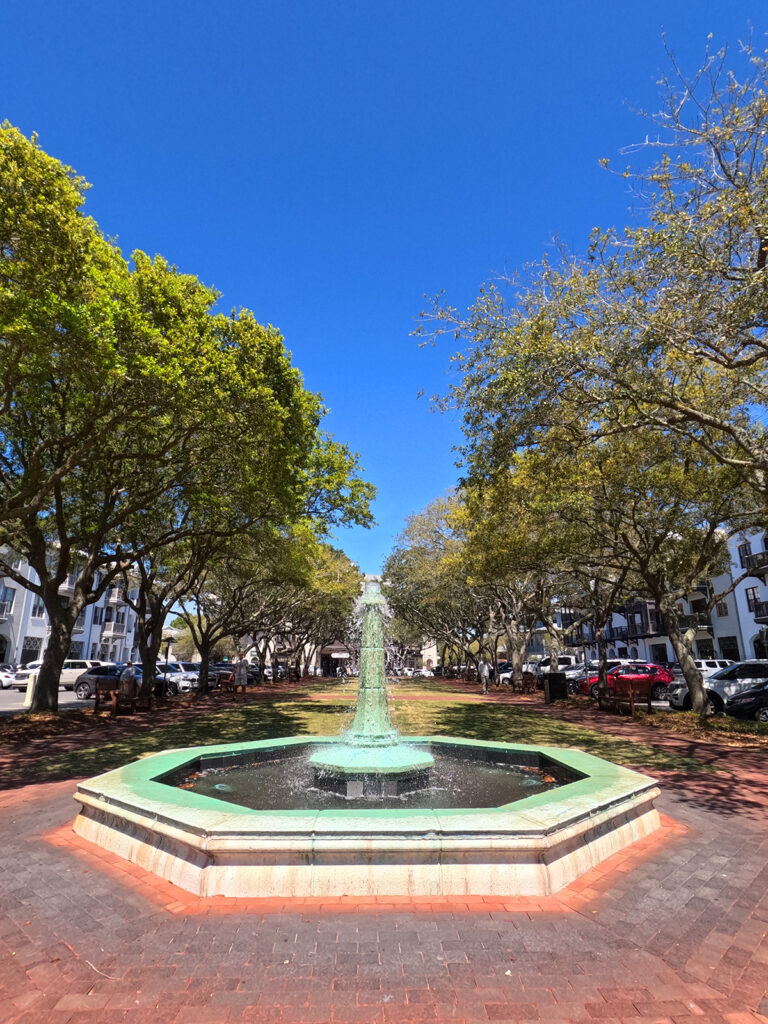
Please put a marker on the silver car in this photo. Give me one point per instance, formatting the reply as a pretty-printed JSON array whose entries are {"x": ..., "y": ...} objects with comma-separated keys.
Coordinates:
[{"x": 720, "y": 685}]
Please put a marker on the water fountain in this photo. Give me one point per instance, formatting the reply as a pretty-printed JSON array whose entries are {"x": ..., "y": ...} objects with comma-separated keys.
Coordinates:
[
  {"x": 371, "y": 761},
  {"x": 372, "y": 814}
]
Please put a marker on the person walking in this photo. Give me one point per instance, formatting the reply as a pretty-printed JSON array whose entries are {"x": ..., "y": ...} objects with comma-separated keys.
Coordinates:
[
  {"x": 483, "y": 671},
  {"x": 241, "y": 672}
]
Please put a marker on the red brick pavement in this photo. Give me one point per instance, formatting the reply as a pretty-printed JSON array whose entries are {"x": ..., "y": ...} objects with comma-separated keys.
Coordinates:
[{"x": 675, "y": 930}]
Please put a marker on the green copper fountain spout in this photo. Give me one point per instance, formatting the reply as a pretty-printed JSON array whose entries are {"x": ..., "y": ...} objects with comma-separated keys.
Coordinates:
[
  {"x": 372, "y": 727},
  {"x": 370, "y": 760}
]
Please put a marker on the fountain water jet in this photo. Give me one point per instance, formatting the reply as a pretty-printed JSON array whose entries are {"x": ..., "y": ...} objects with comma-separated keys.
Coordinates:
[{"x": 371, "y": 761}]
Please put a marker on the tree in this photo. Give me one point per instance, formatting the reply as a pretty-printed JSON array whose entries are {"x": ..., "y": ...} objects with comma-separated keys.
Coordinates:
[
  {"x": 426, "y": 585},
  {"x": 662, "y": 324},
  {"x": 62, "y": 314},
  {"x": 203, "y": 426}
]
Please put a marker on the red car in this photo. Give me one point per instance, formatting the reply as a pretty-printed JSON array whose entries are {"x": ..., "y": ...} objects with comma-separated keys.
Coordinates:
[{"x": 641, "y": 675}]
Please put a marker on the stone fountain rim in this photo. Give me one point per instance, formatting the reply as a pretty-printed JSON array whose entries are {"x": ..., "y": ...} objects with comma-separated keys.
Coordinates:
[{"x": 134, "y": 789}]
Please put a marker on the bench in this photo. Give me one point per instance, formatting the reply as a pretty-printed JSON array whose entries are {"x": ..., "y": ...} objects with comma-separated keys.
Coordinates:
[
  {"x": 117, "y": 698},
  {"x": 626, "y": 694}
]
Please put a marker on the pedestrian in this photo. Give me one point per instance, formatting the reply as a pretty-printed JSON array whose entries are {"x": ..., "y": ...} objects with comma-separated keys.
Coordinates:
[
  {"x": 483, "y": 672},
  {"x": 128, "y": 680},
  {"x": 241, "y": 670}
]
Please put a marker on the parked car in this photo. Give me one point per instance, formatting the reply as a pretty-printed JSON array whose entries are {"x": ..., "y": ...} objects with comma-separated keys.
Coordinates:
[
  {"x": 584, "y": 680},
  {"x": 726, "y": 683},
  {"x": 751, "y": 703},
  {"x": 85, "y": 687},
  {"x": 640, "y": 673},
  {"x": 708, "y": 666},
  {"x": 178, "y": 679},
  {"x": 70, "y": 672},
  {"x": 565, "y": 662}
]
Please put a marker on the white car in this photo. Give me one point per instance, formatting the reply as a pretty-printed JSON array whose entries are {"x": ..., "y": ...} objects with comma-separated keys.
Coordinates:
[
  {"x": 567, "y": 663},
  {"x": 708, "y": 666},
  {"x": 70, "y": 672},
  {"x": 180, "y": 679},
  {"x": 7, "y": 678},
  {"x": 725, "y": 683}
]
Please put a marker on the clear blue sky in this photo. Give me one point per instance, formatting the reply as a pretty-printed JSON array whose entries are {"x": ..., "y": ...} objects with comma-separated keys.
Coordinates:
[{"x": 328, "y": 163}]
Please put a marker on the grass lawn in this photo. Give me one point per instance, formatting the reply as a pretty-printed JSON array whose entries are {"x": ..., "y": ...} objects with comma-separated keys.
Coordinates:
[{"x": 294, "y": 715}]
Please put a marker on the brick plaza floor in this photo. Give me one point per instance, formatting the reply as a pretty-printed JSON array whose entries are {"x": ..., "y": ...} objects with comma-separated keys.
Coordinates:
[{"x": 675, "y": 929}]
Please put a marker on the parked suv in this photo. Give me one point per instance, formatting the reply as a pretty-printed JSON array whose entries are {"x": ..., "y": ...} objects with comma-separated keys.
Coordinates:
[
  {"x": 565, "y": 663},
  {"x": 641, "y": 676},
  {"x": 708, "y": 666},
  {"x": 69, "y": 674},
  {"x": 727, "y": 682}
]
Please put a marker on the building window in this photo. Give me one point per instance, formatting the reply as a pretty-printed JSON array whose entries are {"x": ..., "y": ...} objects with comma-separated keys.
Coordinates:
[
  {"x": 108, "y": 614},
  {"x": 38, "y": 607},
  {"x": 98, "y": 617},
  {"x": 744, "y": 550},
  {"x": 721, "y": 608},
  {"x": 30, "y": 649},
  {"x": 7, "y": 595},
  {"x": 751, "y": 595},
  {"x": 94, "y": 649},
  {"x": 76, "y": 649}
]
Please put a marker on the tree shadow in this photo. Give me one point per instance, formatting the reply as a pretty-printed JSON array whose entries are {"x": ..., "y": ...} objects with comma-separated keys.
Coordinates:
[
  {"x": 512, "y": 725},
  {"x": 69, "y": 759}
]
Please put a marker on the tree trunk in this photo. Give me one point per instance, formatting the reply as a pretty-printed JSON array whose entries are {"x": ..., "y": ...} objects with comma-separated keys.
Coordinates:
[
  {"x": 682, "y": 648},
  {"x": 204, "y": 649},
  {"x": 516, "y": 651},
  {"x": 602, "y": 657},
  {"x": 62, "y": 621}
]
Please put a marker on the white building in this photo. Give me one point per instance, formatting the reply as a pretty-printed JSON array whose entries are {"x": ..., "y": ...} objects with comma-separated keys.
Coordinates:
[
  {"x": 732, "y": 630},
  {"x": 104, "y": 630}
]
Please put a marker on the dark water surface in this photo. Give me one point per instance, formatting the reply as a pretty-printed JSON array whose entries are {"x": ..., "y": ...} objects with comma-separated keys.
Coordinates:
[{"x": 287, "y": 783}]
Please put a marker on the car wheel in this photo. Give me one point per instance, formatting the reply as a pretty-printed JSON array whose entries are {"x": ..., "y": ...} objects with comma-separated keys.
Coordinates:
[
  {"x": 83, "y": 691},
  {"x": 594, "y": 691},
  {"x": 761, "y": 715},
  {"x": 659, "y": 691},
  {"x": 714, "y": 704},
  {"x": 172, "y": 688},
  {"x": 687, "y": 702}
]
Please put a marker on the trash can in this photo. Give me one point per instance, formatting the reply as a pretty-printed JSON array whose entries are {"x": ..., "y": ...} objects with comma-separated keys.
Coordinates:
[{"x": 555, "y": 687}]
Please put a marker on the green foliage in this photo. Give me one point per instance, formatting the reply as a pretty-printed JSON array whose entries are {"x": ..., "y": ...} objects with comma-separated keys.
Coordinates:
[{"x": 139, "y": 427}]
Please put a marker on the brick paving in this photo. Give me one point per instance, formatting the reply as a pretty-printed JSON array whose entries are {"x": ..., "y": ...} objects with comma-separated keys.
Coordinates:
[{"x": 674, "y": 930}]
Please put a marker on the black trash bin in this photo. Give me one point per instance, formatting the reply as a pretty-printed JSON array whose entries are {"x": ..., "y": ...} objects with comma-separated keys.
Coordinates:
[{"x": 555, "y": 687}]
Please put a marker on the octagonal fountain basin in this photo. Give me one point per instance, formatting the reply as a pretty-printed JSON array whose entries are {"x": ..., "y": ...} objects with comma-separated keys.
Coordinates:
[{"x": 495, "y": 819}]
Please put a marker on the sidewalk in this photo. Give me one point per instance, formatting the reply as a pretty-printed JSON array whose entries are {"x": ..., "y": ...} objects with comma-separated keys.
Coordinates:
[{"x": 674, "y": 930}]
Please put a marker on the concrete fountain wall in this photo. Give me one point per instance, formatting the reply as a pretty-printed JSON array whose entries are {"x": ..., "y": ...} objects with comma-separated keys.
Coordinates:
[{"x": 532, "y": 847}]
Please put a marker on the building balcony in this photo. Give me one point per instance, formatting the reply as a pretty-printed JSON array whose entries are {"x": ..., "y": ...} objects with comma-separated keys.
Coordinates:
[
  {"x": 699, "y": 621},
  {"x": 116, "y": 596},
  {"x": 113, "y": 629},
  {"x": 757, "y": 565},
  {"x": 760, "y": 612},
  {"x": 615, "y": 633},
  {"x": 79, "y": 625},
  {"x": 584, "y": 634}
]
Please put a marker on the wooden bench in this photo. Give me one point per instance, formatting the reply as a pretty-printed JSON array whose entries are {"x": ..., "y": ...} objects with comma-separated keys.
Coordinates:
[
  {"x": 117, "y": 698},
  {"x": 626, "y": 695}
]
